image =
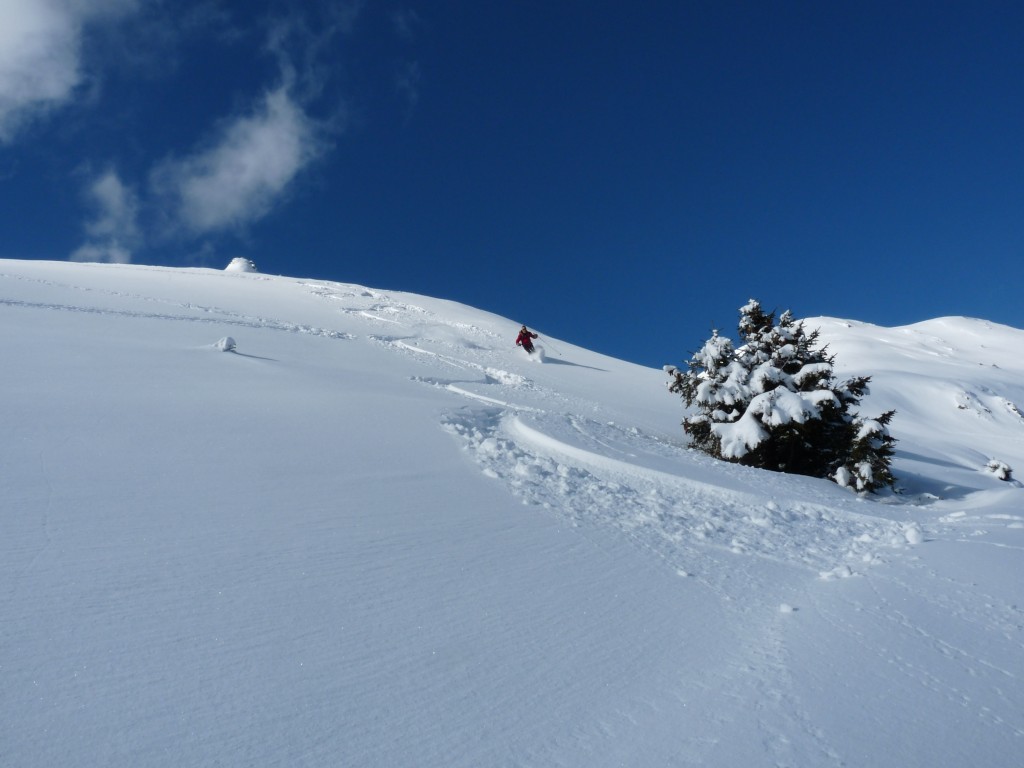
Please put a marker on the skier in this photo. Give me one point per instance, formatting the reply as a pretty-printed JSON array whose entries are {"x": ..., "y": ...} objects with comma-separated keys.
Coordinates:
[{"x": 525, "y": 339}]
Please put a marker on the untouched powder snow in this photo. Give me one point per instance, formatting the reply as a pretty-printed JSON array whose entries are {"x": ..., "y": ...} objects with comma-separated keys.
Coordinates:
[{"x": 375, "y": 533}]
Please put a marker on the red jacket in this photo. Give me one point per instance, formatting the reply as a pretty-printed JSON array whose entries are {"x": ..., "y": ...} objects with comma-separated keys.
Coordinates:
[{"x": 524, "y": 339}]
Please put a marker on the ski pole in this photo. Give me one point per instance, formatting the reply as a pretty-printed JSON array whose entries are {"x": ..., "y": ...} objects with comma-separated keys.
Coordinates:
[{"x": 553, "y": 347}]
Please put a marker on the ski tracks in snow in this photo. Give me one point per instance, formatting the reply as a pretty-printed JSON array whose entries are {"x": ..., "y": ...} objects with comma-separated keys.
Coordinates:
[
  {"x": 569, "y": 465},
  {"x": 175, "y": 311},
  {"x": 595, "y": 473}
]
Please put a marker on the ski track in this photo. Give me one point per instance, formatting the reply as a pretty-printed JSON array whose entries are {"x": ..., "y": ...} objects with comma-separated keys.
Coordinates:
[
  {"x": 217, "y": 317},
  {"x": 667, "y": 514},
  {"x": 563, "y": 465}
]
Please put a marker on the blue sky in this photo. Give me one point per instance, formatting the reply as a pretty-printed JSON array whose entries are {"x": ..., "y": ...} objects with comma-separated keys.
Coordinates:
[{"x": 621, "y": 175}]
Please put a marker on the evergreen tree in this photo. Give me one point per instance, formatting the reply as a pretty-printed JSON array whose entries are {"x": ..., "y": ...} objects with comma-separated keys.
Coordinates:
[
  {"x": 774, "y": 403},
  {"x": 714, "y": 381},
  {"x": 868, "y": 466}
]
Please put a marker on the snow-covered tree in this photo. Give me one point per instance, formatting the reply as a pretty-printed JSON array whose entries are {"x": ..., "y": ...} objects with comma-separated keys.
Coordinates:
[
  {"x": 1000, "y": 469},
  {"x": 867, "y": 467},
  {"x": 718, "y": 380},
  {"x": 773, "y": 402}
]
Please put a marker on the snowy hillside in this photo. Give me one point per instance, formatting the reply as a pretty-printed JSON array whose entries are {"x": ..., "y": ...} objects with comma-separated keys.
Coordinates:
[{"x": 252, "y": 520}]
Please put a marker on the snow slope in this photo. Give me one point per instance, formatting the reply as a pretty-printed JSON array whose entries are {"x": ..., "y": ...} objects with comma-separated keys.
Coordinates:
[{"x": 371, "y": 532}]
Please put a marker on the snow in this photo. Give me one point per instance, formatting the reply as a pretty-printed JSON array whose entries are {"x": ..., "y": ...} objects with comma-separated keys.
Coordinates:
[
  {"x": 379, "y": 534},
  {"x": 226, "y": 344},
  {"x": 773, "y": 408},
  {"x": 241, "y": 264}
]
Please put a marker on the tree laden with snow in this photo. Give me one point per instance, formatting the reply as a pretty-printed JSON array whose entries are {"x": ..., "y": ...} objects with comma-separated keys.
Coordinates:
[
  {"x": 774, "y": 403},
  {"x": 1000, "y": 469}
]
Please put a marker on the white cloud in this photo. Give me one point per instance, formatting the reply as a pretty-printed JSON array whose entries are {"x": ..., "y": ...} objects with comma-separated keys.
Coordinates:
[
  {"x": 245, "y": 170},
  {"x": 248, "y": 162},
  {"x": 116, "y": 206},
  {"x": 113, "y": 230},
  {"x": 40, "y": 54}
]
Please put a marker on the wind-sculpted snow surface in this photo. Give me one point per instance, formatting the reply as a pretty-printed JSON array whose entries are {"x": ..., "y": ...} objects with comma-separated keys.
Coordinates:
[{"x": 376, "y": 533}]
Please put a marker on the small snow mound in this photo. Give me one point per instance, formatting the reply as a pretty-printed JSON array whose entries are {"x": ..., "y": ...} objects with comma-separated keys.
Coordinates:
[
  {"x": 506, "y": 378},
  {"x": 840, "y": 572},
  {"x": 240, "y": 265},
  {"x": 227, "y": 344},
  {"x": 913, "y": 534},
  {"x": 786, "y": 608}
]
